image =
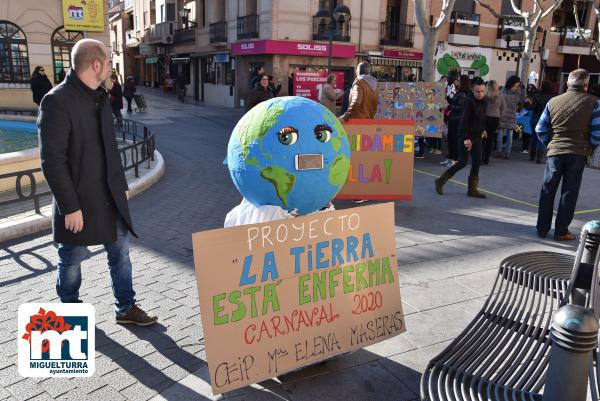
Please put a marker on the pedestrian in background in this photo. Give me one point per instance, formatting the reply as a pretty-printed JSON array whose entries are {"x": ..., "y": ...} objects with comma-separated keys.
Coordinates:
[
  {"x": 570, "y": 127},
  {"x": 129, "y": 90},
  {"x": 514, "y": 95},
  {"x": 40, "y": 84},
  {"x": 116, "y": 99},
  {"x": 540, "y": 100},
  {"x": 456, "y": 105},
  {"x": 363, "y": 95},
  {"x": 330, "y": 95},
  {"x": 471, "y": 132},
  {"x": 275, "y": 89},
  {"x": 259, "y": 94},
  {"x": 256, "y": 76},
  {"x": 82, "y": 166},
  {"x": 180, "y": 85},
  {"x": 345, "y": 99},
  {"x": 495, "y": 108}
]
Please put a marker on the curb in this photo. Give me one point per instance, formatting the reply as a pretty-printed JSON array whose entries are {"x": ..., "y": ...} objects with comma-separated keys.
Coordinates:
[
  {"x": 145, "y": 182},
  {"x": 37, "y": 223}
]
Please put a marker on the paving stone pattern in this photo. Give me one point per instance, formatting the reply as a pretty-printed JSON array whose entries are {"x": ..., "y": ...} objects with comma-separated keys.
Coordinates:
[{"x": 449, "y": 249}]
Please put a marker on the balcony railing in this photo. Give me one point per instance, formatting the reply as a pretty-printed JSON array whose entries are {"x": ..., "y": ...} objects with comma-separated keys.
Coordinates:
[
  {"x": 247, "y": 27},
  {"x": 395, "y": 34},
  {"x": 218, "y": 32},
  {"x": 570, "y": 37},
  {"x": 462, "y": 23},
  {"x": 321, "y": 31},
  {"x": 185, "y": 35},
  {"x": 515, "y": 24}
]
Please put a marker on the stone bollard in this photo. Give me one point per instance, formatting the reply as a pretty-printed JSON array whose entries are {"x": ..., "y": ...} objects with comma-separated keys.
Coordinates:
[
  {"x": 574, "y": 336},
  {"x": 588, "y": 250},
  {"x": 592, "y": 241}
]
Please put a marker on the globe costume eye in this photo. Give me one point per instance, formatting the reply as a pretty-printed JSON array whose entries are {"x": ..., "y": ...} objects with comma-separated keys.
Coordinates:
[
  {"x": 288, "y": 136},
  {"x": 323, "y": 133}
]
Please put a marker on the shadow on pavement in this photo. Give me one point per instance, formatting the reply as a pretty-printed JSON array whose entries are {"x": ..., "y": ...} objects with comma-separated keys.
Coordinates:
[{"x": 142, "y": 370}]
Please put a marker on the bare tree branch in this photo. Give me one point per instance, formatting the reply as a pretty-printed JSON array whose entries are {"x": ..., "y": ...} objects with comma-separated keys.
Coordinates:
[
  {"x": 421, "y": 16},
  {"x": 595, "y": 47},
  {"x": 447, "y": 7},
  {"x": 551, "y": 9},
  {"x": 517, "y": 10},
  {"x": 491, "y": 10}
]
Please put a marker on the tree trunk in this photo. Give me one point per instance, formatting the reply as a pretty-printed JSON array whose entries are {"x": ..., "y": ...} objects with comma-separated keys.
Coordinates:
[
  {"x": 430, "y": 42},
  {"x": 527, "y": 52}
]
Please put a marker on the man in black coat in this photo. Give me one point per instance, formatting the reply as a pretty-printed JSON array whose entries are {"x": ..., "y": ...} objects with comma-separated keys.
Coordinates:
[{"x": 81, "y": 164}]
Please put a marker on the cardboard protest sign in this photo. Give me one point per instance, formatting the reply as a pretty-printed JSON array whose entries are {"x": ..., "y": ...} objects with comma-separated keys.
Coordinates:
[
  {"x": 381, "y": 166},
  {"x": 289, "y": 293},
  {"x": 421, "y": 101}
]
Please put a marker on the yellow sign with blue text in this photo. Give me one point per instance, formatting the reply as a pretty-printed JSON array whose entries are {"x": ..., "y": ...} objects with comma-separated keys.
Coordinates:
[{"x": 84, "y": 15}]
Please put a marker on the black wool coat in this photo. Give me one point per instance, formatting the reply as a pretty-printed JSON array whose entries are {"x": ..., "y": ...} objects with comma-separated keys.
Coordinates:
[
  {"x": 40, "y": 85},
  {"x": 81, "y": 163}
]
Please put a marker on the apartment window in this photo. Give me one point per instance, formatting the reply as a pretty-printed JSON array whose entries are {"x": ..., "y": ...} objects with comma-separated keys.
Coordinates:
[
  {"x": 171, "y": 12},
  {"x": 507, "y": 8},
  {"x": 203, "y": 11},
  {"x": 465, "y": 6},
  {"x": 14, "y": 57},
  {"x": 161, "y": 18},
  {"x": 251, "y": 7},
  {"x": 146, "y": 21},
  {"x": 220, "y": 11}
]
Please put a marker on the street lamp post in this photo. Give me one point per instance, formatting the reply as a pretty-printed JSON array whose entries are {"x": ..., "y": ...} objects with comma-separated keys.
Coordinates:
[
  {"x": 508, "y": 34},
  {"x": 328, "y": 24},
  {"x": 184, "y": 14}
]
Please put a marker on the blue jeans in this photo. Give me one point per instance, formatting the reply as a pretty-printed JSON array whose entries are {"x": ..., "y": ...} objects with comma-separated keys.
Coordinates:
[
  {"x": 502, "y": 132},
  {"x": 569, "y": 169},
  {"x": 68, "y": 280}
]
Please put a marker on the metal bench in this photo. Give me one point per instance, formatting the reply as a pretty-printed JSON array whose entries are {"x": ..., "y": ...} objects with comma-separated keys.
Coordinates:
[{"x": 503, "y": 354}]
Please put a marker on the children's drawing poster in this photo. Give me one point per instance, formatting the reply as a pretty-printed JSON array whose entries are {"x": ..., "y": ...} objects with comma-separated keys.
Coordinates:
[{"x": 420, "y": 101}]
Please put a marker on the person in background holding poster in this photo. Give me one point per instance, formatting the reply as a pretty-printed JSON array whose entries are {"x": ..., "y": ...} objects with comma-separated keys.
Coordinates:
[
  {"x": 363, "y": 95},
  {"x": 471, "y": 132},
  {"x": 330, "y": 95}
]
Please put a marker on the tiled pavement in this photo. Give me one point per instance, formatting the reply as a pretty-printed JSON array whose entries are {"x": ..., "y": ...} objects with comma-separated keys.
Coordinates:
[{"x": 448, "y": 252}]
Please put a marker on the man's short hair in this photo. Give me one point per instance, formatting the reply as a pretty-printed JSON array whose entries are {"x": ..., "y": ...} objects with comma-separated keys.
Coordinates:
[
  {"x": 363, "y": 68},
  {"x": 330, "y": 78},
  {"x": 578, "y": 78},
  {"x": 85, "y": 52},
  {"x": 477, "y": 81}
]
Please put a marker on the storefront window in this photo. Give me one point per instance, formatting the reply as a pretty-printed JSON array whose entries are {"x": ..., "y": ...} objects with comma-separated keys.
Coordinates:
[
  {"x": 14, "y": 64},
  {"x": 391, "y": 73},
  {"x": 62, "y": 44},
  {"x": 219, "y": 73}
]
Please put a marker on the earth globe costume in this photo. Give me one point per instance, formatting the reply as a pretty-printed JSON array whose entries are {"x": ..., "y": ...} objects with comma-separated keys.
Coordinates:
[{"x": 287, "y": 156}]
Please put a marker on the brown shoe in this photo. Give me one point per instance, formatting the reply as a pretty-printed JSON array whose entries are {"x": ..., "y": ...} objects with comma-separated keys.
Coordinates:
[
  {"x": 498, "y": 155},
  {"x": 137, "y": 316},
  {"x": 507, "y": 155},
  {"x": 567, "y": 237}
]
